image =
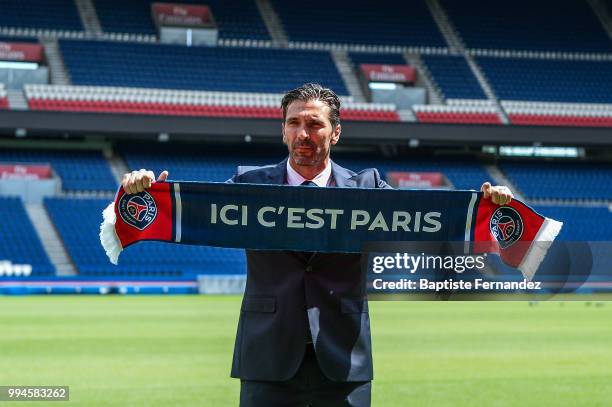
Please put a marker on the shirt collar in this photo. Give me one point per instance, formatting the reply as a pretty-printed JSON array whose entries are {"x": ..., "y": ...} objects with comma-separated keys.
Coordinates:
[{"x": 322, "y": 179}]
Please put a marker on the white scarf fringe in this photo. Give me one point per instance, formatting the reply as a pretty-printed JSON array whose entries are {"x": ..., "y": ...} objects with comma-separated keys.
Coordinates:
[
  {"x": 108, "y": 236},
  {"x": 540, "y": 245}
]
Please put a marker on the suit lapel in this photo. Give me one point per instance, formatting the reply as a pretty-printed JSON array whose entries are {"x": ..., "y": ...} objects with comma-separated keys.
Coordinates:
[
  {"x": 277, "y": 174},
  {"x": 342, "y": 177}
]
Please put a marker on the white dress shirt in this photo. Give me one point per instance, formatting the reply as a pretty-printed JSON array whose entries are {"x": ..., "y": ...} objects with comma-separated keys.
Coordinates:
[{"x": 323, "y": 179}]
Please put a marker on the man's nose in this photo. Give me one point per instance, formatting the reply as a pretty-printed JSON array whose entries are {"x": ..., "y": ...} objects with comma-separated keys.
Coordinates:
[{"x": 302, "y": 134}]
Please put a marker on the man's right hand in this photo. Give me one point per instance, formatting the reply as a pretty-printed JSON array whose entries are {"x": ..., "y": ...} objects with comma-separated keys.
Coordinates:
[{"x": 137, "y": 181}]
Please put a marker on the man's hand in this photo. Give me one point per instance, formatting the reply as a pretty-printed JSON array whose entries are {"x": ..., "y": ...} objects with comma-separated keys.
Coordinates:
[
  {"x": 500, "y": 195},
  {"x": 137, "y": 181}
]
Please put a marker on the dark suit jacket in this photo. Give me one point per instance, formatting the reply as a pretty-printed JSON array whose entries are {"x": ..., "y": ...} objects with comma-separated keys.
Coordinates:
[{"x": 290, "y": 292}]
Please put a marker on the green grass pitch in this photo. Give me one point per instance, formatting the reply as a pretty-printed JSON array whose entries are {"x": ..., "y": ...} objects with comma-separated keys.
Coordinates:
[{"x": 177, "y": 350}]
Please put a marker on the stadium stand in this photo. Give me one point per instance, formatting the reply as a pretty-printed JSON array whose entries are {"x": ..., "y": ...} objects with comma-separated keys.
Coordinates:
[
  {"x": 586, "y": 234},
  {"x": 586, "y": 224},
  {"x": 372, "y": 58},
  {"x": 183, "y": 103},
  {"x": 518, "y": 79},
  {"x": 197, "y": 68},
  {"x": 581, "y": 223},
  {"x": 454, "y": 77},
  {"x": 559, "y": 114},
  {"x": 235, "y": 18},
  {"x": 78, "y": 223},
  {"x": 462, "y": 172},
  {"x": 5, "y": 38},
  {"x": 19, "y": 242},
  {"x": 385, "y": 22},
  {"x": 41, "y": 14},
  {"x": 187, "y": 163},
  {"x": 219, "y": 164},
  {"x": 547, "y": 25},
  {"x": 482, "y": 114},
  {"x": 3, "y": 97},
  {"x": 78, "y": 170},
  {"x": 198, "y": 162},
  {"x": 557, "y": 180}
]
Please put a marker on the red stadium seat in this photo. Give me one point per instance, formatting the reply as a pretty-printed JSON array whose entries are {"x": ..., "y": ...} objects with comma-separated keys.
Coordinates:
[
  {"x": 204, "y": 104},
  {"x": 560, "y": 120},
  {"x": 458, "y": 117}
]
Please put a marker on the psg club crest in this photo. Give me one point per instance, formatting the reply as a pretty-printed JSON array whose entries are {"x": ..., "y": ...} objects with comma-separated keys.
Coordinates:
[
  {"x": 506, "y": 225},
  {"x": 138, "y": 210}
]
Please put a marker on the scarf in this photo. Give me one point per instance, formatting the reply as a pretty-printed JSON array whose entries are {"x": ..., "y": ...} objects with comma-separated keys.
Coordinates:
[{"x": 339, "y": 220}]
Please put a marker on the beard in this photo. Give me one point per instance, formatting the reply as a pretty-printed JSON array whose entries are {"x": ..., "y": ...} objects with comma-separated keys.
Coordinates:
[{"x": 306, "y": 153}]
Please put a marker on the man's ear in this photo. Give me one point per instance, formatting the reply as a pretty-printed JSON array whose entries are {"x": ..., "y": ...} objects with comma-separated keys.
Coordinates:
[
  {"x": 336, "y": 135},
  {"x": 283, "y": 133}
]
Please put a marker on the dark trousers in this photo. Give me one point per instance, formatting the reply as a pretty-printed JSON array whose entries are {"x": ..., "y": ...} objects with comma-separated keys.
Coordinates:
[{"x": 308, "y": 388}]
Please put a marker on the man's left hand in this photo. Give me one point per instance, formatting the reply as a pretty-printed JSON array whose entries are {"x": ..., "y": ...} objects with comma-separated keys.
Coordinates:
[{"x": 499, "y": 194}]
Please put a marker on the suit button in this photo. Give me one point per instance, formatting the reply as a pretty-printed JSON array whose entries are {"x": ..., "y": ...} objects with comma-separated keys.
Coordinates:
[{"x": 308, "y": 269}]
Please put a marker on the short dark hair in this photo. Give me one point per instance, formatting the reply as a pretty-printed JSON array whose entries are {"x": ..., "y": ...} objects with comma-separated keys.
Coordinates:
[{"x": 314, "y": 91}]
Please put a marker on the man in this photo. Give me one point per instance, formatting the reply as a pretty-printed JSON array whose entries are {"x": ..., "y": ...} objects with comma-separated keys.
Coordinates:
[{"x": 304, "y": 332}]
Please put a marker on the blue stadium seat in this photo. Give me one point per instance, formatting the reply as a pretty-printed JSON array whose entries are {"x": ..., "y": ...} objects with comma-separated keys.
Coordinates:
[
  {"x": 78, "y": 223},
  {"x": 549, "y": 80},
  {"x": 544, "y": 25},
  {"x": 581, "y": 223},
  {"x": 543, "y": 180},
  {"x": 19, "y": 242},
  {"x": 586, "y": 224},
  {"x": 454, "y": 77},
  {"x": 235, "y": 18},
  {"x": 197, "y": 68},
  {"x": 464, "y": 173},
  {"x": 384, "y": 22},
  {"x": 371, "y": 58},
  {"x": 586, "y": 233},
  {"x": 40, "y": 14},
  {"x": 79, "y": 170},
  {"x": 198, "y": 163},
  {"x": 7, "y": 38}
]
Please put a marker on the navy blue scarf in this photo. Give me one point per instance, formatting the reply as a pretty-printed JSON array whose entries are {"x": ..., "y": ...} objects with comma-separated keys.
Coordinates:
[{"x": 275, "y": 217}]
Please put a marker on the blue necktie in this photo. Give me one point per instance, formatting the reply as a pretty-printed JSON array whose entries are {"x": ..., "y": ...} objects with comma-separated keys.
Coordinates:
[{"x": 308, "y": 255}]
